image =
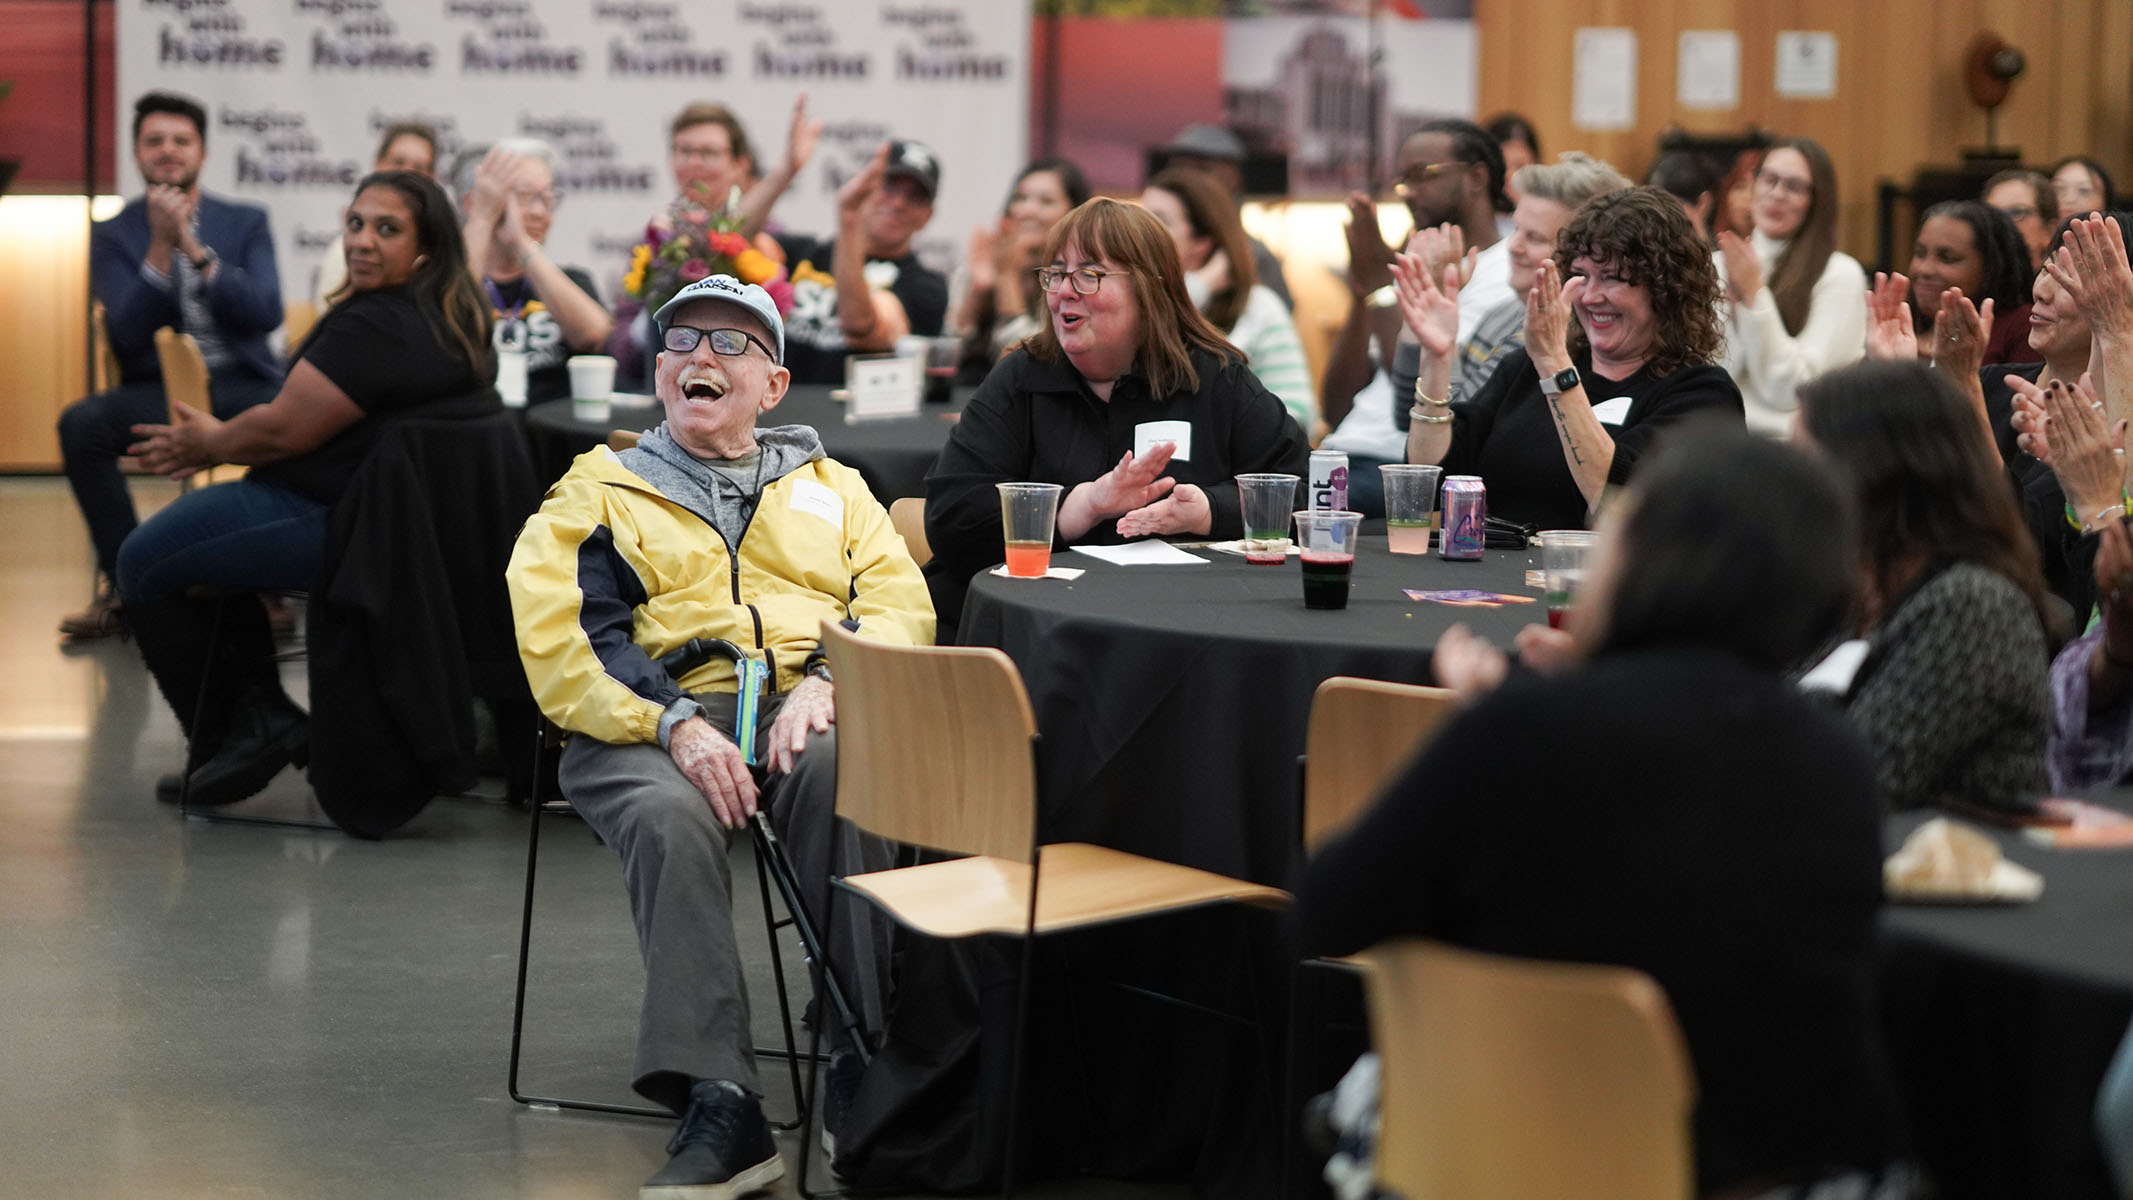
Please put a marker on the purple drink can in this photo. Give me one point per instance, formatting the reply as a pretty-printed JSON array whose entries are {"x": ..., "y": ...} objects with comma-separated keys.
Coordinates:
[
  {"x": 1329, "y": 480},
  {"x": 1466, "y": 516}
]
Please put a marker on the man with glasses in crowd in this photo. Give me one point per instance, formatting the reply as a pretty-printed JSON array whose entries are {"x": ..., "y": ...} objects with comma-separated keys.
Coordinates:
[
  {"x": 547, "y": 311},
  {"x": 1450, "y": 174},
  {"x": 177, "y": 257},
  {"x": 861, "y": 290},
  {"x": 648, "y": 592}
]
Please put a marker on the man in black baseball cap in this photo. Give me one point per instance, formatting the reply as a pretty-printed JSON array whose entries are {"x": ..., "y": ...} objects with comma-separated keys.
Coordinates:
[{"x": 861, "y": 290}]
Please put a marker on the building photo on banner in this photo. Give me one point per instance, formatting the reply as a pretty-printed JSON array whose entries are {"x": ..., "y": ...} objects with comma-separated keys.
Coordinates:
[{"x": 298, "y": 91}]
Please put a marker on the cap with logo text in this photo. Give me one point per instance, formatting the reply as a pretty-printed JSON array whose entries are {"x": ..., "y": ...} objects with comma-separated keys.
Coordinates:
[{"x": 729, "y": 290}]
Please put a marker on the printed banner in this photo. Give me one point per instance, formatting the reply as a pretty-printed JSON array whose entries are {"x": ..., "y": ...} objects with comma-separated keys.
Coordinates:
[{"x": 297, "y": 92}]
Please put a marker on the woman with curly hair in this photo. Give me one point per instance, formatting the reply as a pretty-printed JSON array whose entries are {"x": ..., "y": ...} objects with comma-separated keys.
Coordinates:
[
  {"x": 1967, "y": 246},
  {"x": 1567, "y": 417}
]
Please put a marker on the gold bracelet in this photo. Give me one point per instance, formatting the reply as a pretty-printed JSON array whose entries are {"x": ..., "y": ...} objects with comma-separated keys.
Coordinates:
[
  {"x": 1416, "y": 414},
  {"x": 1423, "y": 398}
]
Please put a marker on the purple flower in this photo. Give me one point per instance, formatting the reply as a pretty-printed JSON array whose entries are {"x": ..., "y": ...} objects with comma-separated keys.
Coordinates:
[{"x": 694, "y": 269}]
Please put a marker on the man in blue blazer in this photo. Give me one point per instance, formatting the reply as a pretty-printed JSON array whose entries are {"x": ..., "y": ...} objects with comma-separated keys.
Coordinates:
[{"x": 172, "y": 257}]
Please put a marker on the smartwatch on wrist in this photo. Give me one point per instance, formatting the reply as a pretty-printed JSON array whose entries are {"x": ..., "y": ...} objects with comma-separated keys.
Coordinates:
[
  {"x": 1560, "y": 382},
  {"x": 206, "y": 260}
]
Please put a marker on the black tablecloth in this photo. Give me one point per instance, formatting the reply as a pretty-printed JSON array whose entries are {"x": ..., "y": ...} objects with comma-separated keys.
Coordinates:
[
  {"x": 2001, "y": 1021},
  {"x": 893, "y": 456},
  {"x": 1146, "y": 682}
]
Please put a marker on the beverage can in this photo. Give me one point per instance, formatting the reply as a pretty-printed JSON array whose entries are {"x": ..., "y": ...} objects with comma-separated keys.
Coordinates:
[
  {"x": 1329, "y": 480},
  {"x": 1466, "y": 516}
]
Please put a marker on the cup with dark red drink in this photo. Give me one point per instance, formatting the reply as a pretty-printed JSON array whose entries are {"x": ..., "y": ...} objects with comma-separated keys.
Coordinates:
[
  {"x": 1563, "y": 556},
  {"x": 1326, "y": 538}
]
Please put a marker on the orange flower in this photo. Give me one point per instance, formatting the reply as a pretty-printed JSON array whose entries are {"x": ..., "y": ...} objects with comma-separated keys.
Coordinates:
[{"x": 753, "y": 266}]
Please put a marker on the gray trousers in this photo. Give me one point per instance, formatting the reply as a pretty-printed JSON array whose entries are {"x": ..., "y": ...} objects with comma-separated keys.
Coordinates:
[{"x": 695, "y": 1023}]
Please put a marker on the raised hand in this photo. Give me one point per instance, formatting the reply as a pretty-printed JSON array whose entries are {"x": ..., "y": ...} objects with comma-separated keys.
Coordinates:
[
  {"x": 1744, "y": 271},
  {"x": 2091, "y": 265},
  {"x": 169, "y": 214},
  {"x": 1132, "y": 483},
  {"x": 1429, "y": 303},
  {"x": 1960, "y": 330},
  {"x": 1548, "y": 308},
  {"x": 1369, "y": 258},
  {"x": 1890, "y": 334},
  {"x": 2083, "y": 446},
  {"x": 853, "y": 196},
  {"x": 801, "y": 135},
  {"x": 1441, "y": 246},
  {"x": 981, "y": 259}
]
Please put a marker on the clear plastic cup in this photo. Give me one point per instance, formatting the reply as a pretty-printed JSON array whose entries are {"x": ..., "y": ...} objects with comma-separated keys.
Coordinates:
[
  {"x": 1266, "y": 501},
  {"x": 1327, "y": 539},
  {"x": 1564, "y": 553},
  {"x": 511, "y": 377},
  {"x": 1410, "y": 505},
  {"x": 1027, "y": 513}
]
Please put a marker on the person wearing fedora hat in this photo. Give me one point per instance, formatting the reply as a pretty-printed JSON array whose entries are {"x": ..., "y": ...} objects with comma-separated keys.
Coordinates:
[
  {"x": 864, "y": 288},
  {"x": 713, "y": 533}
]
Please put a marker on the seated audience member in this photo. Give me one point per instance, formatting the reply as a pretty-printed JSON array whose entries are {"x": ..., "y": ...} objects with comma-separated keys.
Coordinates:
[
  {"x": 1795, "y": 304},
  {"x": 549, "y": 312},
  {"x": 1968, "y": 251},
  {"x": 414, "y": 330},
  {"x": 2092, "y": 716},
  {"x": 1694, "y": 816},
  {"x": 863, "y": 288},
  {"x": 1950, "y": 692},
  {"x": 404, "y": 146},
  {"x": 1520, "y": 147},
  {"x": 1219, "y": 277},
  {"x": 2027, "y": 199},
  {"x": 716, "y": 530},
  {"x": 1220, "y": 153},
  {"x": 1450, "y": 176},
  {"x": 1548, "y": 194},
  {"x": 1736, "y": 198},
  {"x": 1689, "y": 178},
  {"x": 2082, "y": 187},
  {"x": 997, "y": 287},
  {"x": 1122, "y": 346},
  {"x": 177, "y": 257},
  {"x": 1615, "y": 353}
]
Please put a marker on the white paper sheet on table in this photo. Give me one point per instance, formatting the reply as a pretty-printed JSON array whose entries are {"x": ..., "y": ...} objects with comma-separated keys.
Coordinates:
[{"x": 1148, "y": 552}]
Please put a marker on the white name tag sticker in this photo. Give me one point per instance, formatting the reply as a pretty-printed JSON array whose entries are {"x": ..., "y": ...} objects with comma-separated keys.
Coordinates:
[
  {"x": 1835, "y": 673},
  {"x": 815, "y": 500},
  {"x": 1611, "y": 412},
  {"x": 1146, "y": 435}
]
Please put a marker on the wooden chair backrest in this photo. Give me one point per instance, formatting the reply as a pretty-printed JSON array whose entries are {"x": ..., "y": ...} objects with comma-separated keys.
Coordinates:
[
  {"x": 1515, "y": 1079},
  {"x": 106, "y": 370},
  {"x": 1361, "y": 731},
  {"x": 623, "y": 439},
  {"x": 184, "y": 371},
  {"x": 908, "y": 515},
  {"x": 934, "y": 745},
  {"x": 297, "y": 318}
]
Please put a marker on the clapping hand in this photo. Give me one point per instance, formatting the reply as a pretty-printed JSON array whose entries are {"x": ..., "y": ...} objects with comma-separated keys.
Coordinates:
[
  {"x": 170, "y": 214},
  {"x": 1184, "y": 510},
  {"x": 853, "y": 196},
  {"x": 2091, "y": 266},
  {"x": 1960, "y": 330},
  {"x": 1429, "y": 302},
  {"x": 1369, "y": 258},
  {"x": 801, "y": 136},
  {"x": 1548, "y": 308},
  {"x": 1744, "y": 271},
  {"x": 1442, "y": 246},
  {"x": 1132, "y": 483},
  {"x": 2063, "y": 426},
  {"x": 1469, "y": 666},
  {"x": 982, "y": 258},
  {"x": 178, "y": 449},
  {"x": 1890, "y": 334}
]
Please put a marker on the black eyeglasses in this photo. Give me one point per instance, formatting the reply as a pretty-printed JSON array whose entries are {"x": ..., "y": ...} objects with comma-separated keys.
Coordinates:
[
  {"x": 682, "y": 339},
  {"x": 1085, "y": 282},
  {"x": 1414, "y": 177}
]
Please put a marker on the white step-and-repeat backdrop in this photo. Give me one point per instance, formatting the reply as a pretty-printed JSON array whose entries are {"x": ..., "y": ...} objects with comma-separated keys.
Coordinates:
[{"x": 297, "y": 91}]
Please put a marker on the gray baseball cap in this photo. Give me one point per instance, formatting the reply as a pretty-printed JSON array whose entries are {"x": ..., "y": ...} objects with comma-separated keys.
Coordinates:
[
  {"x": 1208, "y": 141},
  {"x": 732, "y": 291}
]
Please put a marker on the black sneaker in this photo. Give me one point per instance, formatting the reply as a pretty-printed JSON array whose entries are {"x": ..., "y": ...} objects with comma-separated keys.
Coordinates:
[
  {"x": 269, "y": 733},
  {"x": 839, "y": 1090},
  {"x": 722, "y": 1150}
]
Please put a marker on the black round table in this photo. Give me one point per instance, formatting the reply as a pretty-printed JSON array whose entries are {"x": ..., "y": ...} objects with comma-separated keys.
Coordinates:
[
  {"x": 892, "y": 455},
  {"x": 2001, "y": 1021},
  {"x": 1148, "y": 683}
]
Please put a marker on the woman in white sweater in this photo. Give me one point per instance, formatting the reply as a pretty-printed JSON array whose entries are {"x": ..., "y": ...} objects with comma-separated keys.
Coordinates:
[{"x": 1795, "y": 304}]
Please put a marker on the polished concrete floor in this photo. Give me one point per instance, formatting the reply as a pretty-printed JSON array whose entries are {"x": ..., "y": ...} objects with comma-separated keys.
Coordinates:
[{"x": 191, "y": 1009}]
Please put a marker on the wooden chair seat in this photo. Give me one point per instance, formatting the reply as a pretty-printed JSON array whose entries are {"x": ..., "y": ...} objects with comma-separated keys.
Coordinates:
[{"x": 1082, "y": 885}]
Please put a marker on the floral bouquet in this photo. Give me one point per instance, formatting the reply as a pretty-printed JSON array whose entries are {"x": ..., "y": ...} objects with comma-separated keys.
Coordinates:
[{"x": 691, "y": 241}]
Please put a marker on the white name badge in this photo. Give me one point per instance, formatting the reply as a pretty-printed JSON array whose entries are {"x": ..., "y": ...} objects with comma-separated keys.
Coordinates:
[
  {"x": 1835, "y": 673},
  {"x": 1146, "y": 435},
  {"x": 1611, "y": 412},
  {"x": 883, "y": 387},
  {"x": 816, "y": 500}
]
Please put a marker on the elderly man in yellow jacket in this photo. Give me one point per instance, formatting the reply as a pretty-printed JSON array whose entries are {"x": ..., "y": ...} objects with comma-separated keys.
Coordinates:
[{"x": 711, "y": 533}]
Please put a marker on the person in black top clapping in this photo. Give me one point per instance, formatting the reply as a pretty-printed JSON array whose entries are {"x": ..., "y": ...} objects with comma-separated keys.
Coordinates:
[{"x": 1127, "y": 396}]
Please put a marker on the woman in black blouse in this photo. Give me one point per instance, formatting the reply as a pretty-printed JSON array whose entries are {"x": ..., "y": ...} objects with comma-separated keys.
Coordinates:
[
  {"x": 1127, "y": 396},
  {"x": 415, "y": 331},
  {"x": 1567, "y": 417},
  {"x": 1671, "y": 804}
]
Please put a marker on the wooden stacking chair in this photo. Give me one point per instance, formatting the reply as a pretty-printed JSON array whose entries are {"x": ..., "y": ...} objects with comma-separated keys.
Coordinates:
[
  {"x": 1361, "y": 731},
  {"x": 908, "y": 515},
  {"x": 624, "y": 439},
  {"x": 1516, "y": 1079},
  {"x": 936, "y": 749},
  {"x": 185, "y": 382}
]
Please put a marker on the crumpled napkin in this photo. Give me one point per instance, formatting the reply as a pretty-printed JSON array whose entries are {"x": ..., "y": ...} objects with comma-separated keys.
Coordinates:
[{"x": 1945, "y": 860}]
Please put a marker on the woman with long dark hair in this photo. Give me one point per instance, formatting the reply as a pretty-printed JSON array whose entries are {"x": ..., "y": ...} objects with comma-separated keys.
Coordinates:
[
  {"x": 998, "y": 300},
  {"x": 1795, "y": 304},
  {"x": 1953, "y": 611},
  {"x": 413, "y": 331},
  {"x": 1970, "y": 247},
  {"x": 1669, "y": 802}
]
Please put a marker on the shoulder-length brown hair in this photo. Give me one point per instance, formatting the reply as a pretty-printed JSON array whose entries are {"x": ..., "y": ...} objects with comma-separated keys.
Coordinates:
[
  {"x": 1212, "y": 215},
  {"x": 1130, "y": 237},
  {"x": 1931, "y": 490},
  {"x": 1799, "y": 268},
  {"x": 1642, "y": 234}
]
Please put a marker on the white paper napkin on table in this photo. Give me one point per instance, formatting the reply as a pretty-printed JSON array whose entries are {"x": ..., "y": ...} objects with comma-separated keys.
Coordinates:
[
  {"x": 1049, "y": 573},
  {"x": 1148, "y": 552}
]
